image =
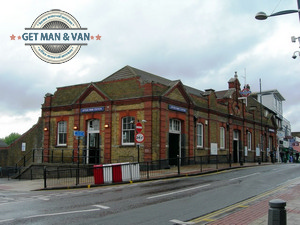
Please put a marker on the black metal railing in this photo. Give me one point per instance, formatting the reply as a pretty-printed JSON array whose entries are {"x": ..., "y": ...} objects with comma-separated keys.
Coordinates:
[{"x": 124, "y": 172}]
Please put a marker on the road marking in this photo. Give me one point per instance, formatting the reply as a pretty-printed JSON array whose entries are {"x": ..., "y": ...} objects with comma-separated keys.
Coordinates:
[
  {"x": 102, "y": 206},
  {"x": 181, "y": 222},
  {"x": 244, "y": 176},
  {"x": 176, "y": 192},
  {"x": 7, "y": 220},
  {"x": 61, "y": 213}
]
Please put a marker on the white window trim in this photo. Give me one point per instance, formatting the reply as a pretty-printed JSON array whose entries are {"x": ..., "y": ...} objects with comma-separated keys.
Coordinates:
[
  {"x": 197, "y": 135},
  {"x": 133, "y": 124},
  {"x": 222, "y": 138},
  {"x": 58, "y": 132},
  {"x": 249, "y": 136}
]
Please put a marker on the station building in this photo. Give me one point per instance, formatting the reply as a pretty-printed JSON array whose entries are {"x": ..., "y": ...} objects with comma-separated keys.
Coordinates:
[{"x": 176, "y": 120}]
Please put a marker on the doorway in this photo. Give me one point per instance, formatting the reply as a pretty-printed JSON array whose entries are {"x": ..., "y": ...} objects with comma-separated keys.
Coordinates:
[
  {"x": 236, "y": 153},
  {"x": 174, "y": 141},
  {"x": 93, "y": 142}
]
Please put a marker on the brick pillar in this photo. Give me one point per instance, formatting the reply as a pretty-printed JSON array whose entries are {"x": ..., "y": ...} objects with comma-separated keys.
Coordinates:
[
  {"x": 107, "y": 133},
  {"x": 148, "y": 131},
  {"x": 164, "y": 130},
  {"x": 75, "y": 141},
  {"x": 46, "y": 113}
]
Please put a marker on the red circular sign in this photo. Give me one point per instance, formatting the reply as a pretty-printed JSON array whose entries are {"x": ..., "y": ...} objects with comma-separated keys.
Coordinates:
[
  {"x": 139, "y": 127},
  {"x": 139, "y": 138}
]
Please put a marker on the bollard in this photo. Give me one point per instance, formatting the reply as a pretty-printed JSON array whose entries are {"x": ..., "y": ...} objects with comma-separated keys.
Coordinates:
[{"x": 277, "y": 212}]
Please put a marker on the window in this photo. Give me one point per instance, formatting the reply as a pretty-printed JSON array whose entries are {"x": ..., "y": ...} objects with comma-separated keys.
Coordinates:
[
  {"x": 174, "y": 126},
  {"x": 200, "y": 135},
  {"x": 222, "y": 137},
  {"x": 249, "y": 140},
  {"x": 128, "y": 130},
  {"x": 62, "y": 133}
]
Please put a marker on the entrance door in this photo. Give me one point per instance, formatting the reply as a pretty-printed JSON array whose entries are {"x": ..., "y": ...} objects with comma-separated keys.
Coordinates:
[
  {"x": 235, "y": 151},
  {"x": 94, "y": 150},
  {"x": 93, "y": 142},
  {"x": 236, "y": 146},
  {"x": 174, "y": 141}
]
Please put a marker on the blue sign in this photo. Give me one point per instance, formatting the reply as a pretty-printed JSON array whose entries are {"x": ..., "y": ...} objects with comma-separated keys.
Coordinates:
[
  {"x": 177, "y": 108},
  {"x": 79, "y": 133},
  {"x": 95, "y": 109}
]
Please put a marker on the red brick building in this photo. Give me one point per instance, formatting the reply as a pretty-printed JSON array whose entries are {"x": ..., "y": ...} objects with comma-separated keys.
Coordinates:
[{"x": 176, "y": 120}]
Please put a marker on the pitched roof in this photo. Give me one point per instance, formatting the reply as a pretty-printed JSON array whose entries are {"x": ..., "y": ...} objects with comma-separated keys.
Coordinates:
[
  {"x": 131, "y": 72},
  {"x": 128, "y": 88}
]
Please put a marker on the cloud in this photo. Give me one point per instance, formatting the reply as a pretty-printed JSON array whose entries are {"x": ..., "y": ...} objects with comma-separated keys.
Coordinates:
[{"x": 202, "y": 43}]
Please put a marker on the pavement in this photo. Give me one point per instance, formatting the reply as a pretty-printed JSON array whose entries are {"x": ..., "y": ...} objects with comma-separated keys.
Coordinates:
[{"x": 253, "y": 211}]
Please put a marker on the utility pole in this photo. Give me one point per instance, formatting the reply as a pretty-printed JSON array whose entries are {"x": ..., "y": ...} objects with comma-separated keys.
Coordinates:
[{"x": 261, "y": 121}]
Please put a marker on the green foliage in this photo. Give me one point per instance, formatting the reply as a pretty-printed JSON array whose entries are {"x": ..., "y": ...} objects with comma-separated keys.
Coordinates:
[{"x": 11, "y": 138}]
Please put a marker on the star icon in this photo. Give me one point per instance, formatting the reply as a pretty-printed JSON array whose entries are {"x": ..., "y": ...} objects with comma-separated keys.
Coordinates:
[
  {"x": 19, "y": 37},
  {"x": 92, "y": 37},
  {"x": 12, "y": 37},
  {"x": 98, "y": 37}
]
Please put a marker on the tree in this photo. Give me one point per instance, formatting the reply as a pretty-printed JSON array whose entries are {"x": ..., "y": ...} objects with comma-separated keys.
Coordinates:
[{"x": 11, "y": 138}]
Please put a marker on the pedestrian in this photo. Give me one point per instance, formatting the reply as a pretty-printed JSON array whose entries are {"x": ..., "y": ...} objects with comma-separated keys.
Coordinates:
[
  {"x": 281, "y": 156},
  {"x": 291, "y": 157},
  {"x": 272, "y": 156},
  {"x": 297, "y": 156}
]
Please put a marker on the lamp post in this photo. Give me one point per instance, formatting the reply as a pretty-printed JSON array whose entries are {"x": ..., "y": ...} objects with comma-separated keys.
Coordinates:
[{"x": 264, "y": 16}]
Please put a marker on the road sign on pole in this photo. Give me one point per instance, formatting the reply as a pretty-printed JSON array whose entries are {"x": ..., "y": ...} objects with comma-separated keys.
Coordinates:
[
  {"x": 139, "y": 137},
  {"x": 78, "y": 133},
  {"x": 138, "y": 127}
]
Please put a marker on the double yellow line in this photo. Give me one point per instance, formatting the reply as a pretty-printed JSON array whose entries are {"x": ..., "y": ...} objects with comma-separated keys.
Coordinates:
[{"x": 243, "y": 204}]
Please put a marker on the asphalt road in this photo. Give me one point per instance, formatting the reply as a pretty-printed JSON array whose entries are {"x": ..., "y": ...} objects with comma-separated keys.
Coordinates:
[{"x": 154, "y": 202}]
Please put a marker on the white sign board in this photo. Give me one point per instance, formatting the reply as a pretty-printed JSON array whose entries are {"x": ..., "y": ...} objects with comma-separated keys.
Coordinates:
[
  {"x": 214, "y": 149},
  {"x": 257, "y": 151}
]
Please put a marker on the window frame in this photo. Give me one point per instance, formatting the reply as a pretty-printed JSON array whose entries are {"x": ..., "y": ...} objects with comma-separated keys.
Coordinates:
[
  {"x": 62, "y": 131},
  {"x": 199, "y": 135},
  {"x": 249, "y": 141},
  {"x": 128, "y": 129},
  {"x": 222, "y": 138}
]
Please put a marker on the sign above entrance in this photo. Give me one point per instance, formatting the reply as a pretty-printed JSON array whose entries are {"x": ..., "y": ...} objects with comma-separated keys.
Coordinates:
[
  {"x": 177, "y": 108},
  {"x": 78, "y": 133},
  {"x": 95, "y": 109}
]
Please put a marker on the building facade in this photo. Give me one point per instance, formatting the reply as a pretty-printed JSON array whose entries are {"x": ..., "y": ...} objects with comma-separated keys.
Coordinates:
[
  {"x": 274, "y": 101},
  {"x": 98, "y": 122},
  {"x": 177, "y": 120}
]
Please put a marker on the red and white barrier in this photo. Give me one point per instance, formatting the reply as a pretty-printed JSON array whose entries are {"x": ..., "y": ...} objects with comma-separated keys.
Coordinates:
[{"x": 115, "y": 173}]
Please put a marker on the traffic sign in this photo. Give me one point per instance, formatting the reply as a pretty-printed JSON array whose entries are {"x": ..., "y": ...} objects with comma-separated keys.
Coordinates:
[
  {"x": 78, "y": 133},
  {"x": 139, "y": 127},
  {"x": 139, "y": 137}
]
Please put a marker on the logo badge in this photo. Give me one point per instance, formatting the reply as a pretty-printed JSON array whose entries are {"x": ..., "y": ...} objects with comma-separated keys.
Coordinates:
[{"x": 56, "y": 36}]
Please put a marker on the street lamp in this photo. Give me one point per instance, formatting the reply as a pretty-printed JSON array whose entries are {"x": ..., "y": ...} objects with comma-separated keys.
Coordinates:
[
  {"x": 294, "y": 55},
  {"x": 264, "y": 16}
]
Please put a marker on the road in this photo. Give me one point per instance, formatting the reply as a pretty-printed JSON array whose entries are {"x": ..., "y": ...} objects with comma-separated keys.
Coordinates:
[{"x": 152, "y": 202}]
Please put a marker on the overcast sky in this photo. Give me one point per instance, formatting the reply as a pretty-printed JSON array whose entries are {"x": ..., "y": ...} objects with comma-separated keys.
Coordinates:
[{"x": 200, "y": 42}]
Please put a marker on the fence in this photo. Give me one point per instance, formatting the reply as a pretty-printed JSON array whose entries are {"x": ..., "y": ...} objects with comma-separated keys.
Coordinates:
[{"x": 102, "y": 174}]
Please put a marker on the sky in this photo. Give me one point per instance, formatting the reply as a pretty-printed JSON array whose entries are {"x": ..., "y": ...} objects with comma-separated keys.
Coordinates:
[{"x": 200, "y": 42}]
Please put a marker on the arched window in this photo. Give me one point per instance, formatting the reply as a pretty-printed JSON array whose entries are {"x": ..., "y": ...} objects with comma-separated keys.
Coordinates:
[{"x": 128, "y": 130}]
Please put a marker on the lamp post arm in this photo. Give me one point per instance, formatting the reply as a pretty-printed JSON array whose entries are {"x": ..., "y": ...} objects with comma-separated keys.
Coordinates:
[{"x": 284, "y": 12}]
